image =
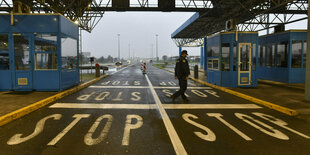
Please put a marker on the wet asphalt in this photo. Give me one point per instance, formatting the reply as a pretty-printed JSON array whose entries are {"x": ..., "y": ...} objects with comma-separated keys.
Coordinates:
[{"x": 130, "y": 113}]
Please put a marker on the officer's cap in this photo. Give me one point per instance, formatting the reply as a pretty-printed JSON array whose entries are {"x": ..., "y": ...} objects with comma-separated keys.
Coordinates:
[{"x": 184, "y": 52}]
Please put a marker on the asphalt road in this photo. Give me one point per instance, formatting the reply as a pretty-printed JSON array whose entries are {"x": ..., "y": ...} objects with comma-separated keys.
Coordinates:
[{"x": 130, "y": 113}]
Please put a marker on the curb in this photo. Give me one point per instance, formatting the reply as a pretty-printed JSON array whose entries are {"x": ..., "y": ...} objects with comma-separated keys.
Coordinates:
[
  {"x": 284, "y": 110},
  {"x": 35, "y": 106}
]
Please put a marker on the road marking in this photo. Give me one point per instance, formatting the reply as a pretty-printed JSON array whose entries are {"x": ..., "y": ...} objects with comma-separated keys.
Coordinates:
[
  {"x": 176, "y": 142},
  {"x": 152, "y": 106},
  {"x": 77, "y": 117},
  {"x": 20, "y": 138},
  {"x": 130, "y": 126},
  {"x": 102, "y": 106},
  {"x": 118, "y": 71},
  {"x": 211, "y": 106},
  {"x": 219, "y": 117},
  {"x": 88, "y": 138},
  {"x": 122, "y": 87},
  {"x": 143, "y": 87},
  {"x": 156, "y": 87}
]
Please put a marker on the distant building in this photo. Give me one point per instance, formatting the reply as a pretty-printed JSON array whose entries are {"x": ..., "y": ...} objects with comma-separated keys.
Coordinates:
[{"x": 86, "y": 54}]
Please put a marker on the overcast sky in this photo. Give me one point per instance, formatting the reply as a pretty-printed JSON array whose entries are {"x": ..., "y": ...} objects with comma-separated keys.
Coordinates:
[{"x": 137, "y": 29}]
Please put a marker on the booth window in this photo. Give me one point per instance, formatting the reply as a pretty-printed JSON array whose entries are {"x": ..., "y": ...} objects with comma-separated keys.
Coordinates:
[
  {"x": 282, "y": 54},
  {"x": 270, "y": 55},
  {"x": 235, "y": 57},
  {"x": 244, "y": 58},
  {"x": 4, "y": 61},
  {"x": 69, "y": 53},
  {"x": 254, "y": 57},
  {"x": 296, "y": 54},
  {"x": 210, "y": 64},
  {"x": 225, "y": 57},
  {"x": 262, "y": 56},
  {"x": 213, "y": 64},
  {"x": 305, "y": 54},
  {"x": 45, "y": 42},
  {"x": 4, "y": 44},
  {"x": 213, "y": 51},
  {"x": 45, "y": 46},
  {"x": 21, "y": 48},
  {"x": 4, "y": 53},
  {"x": 46, "y": 61}
]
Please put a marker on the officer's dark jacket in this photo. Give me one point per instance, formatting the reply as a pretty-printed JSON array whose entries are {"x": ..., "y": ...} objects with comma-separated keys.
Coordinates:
[{"x": 181, "y": 69}]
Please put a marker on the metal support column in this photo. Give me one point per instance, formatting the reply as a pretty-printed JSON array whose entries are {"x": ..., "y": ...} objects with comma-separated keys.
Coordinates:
[
  {"x": 80, "y": 57},
  {"x": 180, "y": 50},
  {"x": 157, "y": 58},
  {"x": 201, "y": 57},
  {"x": 307, "y": 83},
  {"x": 205, "y": 53}
]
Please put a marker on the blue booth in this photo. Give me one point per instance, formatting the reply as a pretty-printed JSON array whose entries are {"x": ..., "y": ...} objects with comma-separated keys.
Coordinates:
[
  {"x": 231, "y": 59},
  {"x": 38, "y": 52},
  {"x": 282, "y": 56}
]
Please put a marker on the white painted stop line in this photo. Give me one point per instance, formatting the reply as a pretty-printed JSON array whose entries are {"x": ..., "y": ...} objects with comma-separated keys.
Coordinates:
[
  {"x": 143, "y": 87},
  {"x": 151, "y": 106}
]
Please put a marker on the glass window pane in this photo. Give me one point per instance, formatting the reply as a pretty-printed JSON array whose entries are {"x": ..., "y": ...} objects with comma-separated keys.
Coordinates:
[
  {"x": 296, "y": 54},
  {"x": 21, "y": 48},
  {"x": 235, "y": 57},
  {"x": 254, "y": 57},
  {"x": 45, "y": 42},
  {"x": 305, "y": 54},
  {"x": 282, "y": 54},
  {"x": 270, "y": 55},
  {"x": 225, "y": 57},
  {"x": 4, "y": 61},
  {"x": 213, "y": 51},
  {"x": 244, "y": 58},
  {"x": 209, "y": 64},
  {"x": 69, "y": 53},
  {"x": 216, "y": 51},
  {"x": 46, "y": 61},
  {"x": 262, "y": 56},
  {"x": 215, "y": 64},
  {"x": 4, "y": 44}
]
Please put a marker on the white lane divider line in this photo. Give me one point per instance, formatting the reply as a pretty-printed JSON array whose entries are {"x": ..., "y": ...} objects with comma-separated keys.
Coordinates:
[
  {"x": 151, "y": 106},
  {"x": 118, "y": 71},
  {"x": 176, "y": 142},
  {"x": 102, "y": 106}
]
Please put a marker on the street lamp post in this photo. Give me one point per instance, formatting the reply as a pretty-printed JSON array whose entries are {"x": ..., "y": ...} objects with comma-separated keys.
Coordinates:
[
  {"x": 157, "y": 47},
  {"x": 119, "y": 50}
]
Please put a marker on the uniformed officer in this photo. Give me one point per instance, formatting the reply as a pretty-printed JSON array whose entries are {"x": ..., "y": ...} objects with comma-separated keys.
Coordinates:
[{"x": 181, "y": 72}]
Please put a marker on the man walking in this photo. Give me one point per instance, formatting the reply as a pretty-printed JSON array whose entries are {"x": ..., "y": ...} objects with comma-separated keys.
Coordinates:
[{"x": 181, "y": 72}]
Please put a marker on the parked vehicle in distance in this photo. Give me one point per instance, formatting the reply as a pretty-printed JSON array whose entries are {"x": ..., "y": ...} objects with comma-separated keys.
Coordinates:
[{"x": 118, "y": 63}]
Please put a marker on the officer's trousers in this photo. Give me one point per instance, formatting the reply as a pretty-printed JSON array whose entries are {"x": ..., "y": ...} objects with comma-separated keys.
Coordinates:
[{"x": 183, "y": 87}]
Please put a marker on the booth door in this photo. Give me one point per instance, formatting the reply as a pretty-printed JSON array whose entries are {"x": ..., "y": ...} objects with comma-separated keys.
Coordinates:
[
  {"x": 244, "y": 71},
  {"x": 22, "y": 59}
]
